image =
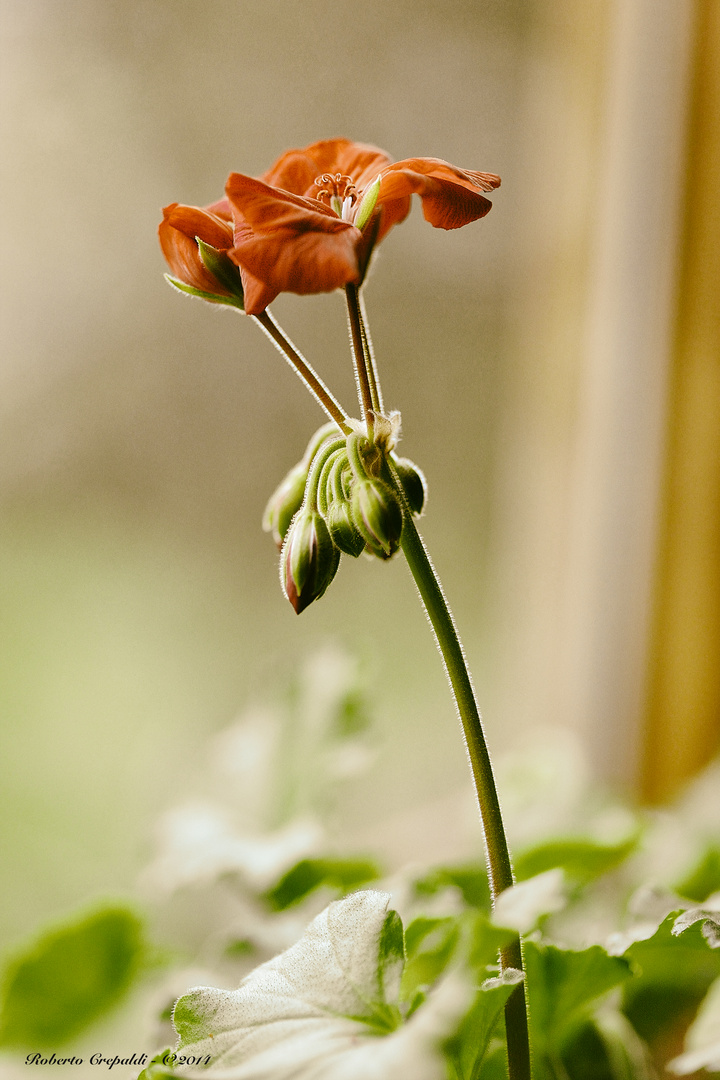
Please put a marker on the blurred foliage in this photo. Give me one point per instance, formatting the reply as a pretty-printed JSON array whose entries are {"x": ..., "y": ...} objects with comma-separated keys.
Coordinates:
[{"x": 69, "y": 976}]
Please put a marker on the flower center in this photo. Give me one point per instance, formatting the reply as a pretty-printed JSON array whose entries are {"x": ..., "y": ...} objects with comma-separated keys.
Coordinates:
[{"x": 339, "y": 191}]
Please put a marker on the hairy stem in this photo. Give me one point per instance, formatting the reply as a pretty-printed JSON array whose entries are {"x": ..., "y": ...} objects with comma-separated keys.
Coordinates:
[
  {"x": 499, "y": 865},
  {"x": 365, "y": 381},
  {"x": 370, "y": 360},
  {"x": 300, "y": 365}
]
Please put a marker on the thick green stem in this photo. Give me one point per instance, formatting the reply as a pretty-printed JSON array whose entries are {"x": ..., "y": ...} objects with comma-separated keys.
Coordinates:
[{"x": 499, "y": 865}]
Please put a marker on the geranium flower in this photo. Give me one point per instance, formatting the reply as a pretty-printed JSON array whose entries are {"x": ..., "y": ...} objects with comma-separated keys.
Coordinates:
[{"x": 310, "y": 223}]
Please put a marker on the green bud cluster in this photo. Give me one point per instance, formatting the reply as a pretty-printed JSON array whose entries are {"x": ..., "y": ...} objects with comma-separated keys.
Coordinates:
[{"x": 338, "y": 499}]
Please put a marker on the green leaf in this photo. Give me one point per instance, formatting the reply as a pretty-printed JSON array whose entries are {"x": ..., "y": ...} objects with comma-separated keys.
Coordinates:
[
  {"x": 470, "y": 879},
  {"x": 429, "y": 944},
  {"x": 214, "y": 298},
  {"x": 309, "y": 874},
  {"x": 327, "y": 1007},
  {"x": 562, "y": 987},
  {"x": 581, "y": 858},
  {"x": 672, "y": 973},
  {"x": 466, "y": 1048},
  {"x": 486, "y": 941},
  {"x": 69, "y": 976},
  {"x": 606, "y": 1048},
  {"x": 704, "y": 878}
]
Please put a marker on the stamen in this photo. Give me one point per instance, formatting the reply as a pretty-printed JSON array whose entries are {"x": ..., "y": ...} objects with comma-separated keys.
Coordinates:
[{"x": 337, "y": 187}]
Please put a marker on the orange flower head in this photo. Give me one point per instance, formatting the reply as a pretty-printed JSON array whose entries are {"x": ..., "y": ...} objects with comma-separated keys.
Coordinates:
[{"x": 310, "y": 223}]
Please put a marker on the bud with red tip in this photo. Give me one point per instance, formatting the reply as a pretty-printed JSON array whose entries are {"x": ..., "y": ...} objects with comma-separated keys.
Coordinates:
[{"x": 309, "y": 559}]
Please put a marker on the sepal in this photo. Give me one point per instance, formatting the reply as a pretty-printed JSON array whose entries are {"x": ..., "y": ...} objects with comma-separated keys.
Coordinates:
[
  {"x": 223, "y": 269},
  {"x": 213, "y": 298}
]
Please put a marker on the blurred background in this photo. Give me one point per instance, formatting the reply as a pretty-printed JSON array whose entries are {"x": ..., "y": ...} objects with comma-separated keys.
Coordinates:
[{"x": 557, "y": 366}]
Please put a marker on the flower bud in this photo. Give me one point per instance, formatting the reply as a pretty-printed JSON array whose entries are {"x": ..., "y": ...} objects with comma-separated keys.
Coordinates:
[
  {"x": 343, "y": 532},
  {"x": 413, "y": 483},
  {"x": 377, "y": 515},
  {"x": 309, "y": 560},
  {"x": 284, "y": 503}
]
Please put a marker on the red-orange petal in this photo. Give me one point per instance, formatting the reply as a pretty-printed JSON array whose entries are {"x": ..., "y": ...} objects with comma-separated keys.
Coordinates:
[
  {"x": 451, "y": 197},
  {"x": 266, "y": 208},
  {"x": 177, "y": 232},
  {"x": 288, "y": 261},
  {"x": 297, "y": 170}
]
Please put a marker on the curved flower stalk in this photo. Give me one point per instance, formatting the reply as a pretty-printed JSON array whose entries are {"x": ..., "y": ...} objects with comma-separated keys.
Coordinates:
[{"x": 310, "y": 225}]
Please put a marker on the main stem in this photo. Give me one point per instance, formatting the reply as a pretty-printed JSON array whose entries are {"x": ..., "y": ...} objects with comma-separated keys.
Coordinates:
[{"x": 498, "y": 856}]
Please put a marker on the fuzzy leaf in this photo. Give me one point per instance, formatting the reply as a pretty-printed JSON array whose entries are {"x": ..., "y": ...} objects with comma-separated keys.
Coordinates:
[
  {"x": 710, "y": 924},
  {"x": 326, "y": 1009},
  {"x": 68, "y": 977}
]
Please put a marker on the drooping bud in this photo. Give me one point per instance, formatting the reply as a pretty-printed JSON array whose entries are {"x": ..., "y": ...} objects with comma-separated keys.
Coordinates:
[
  {"x": 377, "y": 515},
  {"x": 309, "y": 560},
  {"x": 413, "y": 483},
  {"x": 285, "y": 502}
]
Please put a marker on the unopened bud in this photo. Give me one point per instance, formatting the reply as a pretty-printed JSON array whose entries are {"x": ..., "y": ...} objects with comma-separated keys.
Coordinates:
[
  {"x": 377, "y": 515},
  {"x": 413, "y": 483},
  {"x": 343, "y": 532},
  {"x": 309, "y": 560},
  {"x": 284, "y": 503}
]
